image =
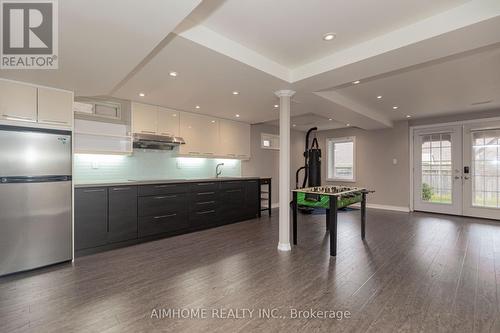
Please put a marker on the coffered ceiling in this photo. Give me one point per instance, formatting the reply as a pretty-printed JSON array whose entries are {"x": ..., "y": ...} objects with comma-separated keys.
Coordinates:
[{"x": 426, "y": 57}]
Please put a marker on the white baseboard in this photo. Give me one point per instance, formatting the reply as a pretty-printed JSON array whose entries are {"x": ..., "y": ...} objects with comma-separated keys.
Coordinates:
[
  {"x": 385, "y": 207},
  {"x": 372, "y": 206},
  {"x": 285, "y": 247}
]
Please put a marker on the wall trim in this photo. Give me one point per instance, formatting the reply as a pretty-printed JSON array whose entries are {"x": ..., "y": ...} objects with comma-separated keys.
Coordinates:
[
  {"x": 385, "y": 207},
  {"x": 372, "y": 206}
]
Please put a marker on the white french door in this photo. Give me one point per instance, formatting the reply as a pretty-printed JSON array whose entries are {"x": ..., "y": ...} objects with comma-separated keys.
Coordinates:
[
  {"x": 457, "y": 170},
  {"x": 438, "y": 170},
  {"x": 482, "y": 161}
]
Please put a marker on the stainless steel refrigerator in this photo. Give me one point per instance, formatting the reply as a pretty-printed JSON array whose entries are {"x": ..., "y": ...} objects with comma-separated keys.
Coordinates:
[{"x": 35, "y": 198}]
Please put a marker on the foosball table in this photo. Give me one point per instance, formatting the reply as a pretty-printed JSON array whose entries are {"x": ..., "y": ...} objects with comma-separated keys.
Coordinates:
[{"x": 331, "y": 198}]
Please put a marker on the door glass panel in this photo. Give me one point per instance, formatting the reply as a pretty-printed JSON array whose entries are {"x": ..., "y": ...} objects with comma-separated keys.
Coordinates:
[
  {"x": 436, "y": 168},
  {"x": 486, "y": 169}
]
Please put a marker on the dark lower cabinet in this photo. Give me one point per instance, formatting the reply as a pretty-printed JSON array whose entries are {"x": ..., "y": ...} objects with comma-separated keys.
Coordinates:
[
  {"x": 231, "y": 202},
  {"x": 252, "y": 198},
  {"x": 106, "y": 215},
  {"x": 159, "y": 214},
  {"x": 91, "y": 217},
  {"x": 122, "y": 221}
]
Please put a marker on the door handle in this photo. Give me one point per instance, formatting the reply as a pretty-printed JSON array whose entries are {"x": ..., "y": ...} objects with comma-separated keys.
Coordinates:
[
  {"x": 54, "y": 122},
  {"x": 457, "y": 177},
  {"x": 7, "y": 116},
  {"x": 165, "y": 197},
  {"x": 164, "y": 216},
  {"x": 466, "y": 177}
]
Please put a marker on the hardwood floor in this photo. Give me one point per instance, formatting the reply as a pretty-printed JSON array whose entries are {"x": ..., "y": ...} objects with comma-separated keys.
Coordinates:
[{"x": 414, "y": 273}]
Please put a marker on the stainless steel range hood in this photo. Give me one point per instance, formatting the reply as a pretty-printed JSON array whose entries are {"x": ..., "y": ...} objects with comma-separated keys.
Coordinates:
[{"x": 158, "y": 142}]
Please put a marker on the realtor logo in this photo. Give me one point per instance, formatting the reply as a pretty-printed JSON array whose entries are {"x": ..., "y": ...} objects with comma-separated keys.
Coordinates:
[{"x": 29, "y": 34}]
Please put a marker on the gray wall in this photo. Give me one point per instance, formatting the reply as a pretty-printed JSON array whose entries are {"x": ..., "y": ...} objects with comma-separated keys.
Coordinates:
[
  {"x": 375, "y": 151},
  {"x": 265, "y": 162}
]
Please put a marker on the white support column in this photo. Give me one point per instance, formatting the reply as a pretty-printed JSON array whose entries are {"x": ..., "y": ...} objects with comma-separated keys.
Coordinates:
[{"x": 284, "y": 170}]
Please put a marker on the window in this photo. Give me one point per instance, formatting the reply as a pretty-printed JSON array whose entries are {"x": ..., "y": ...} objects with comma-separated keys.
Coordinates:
[
  {"x": 486, "y": 169},
  {"x": 269, "y": 141},
  {"x": 341, "y": 159},
  {"x": 437, "y": 168}
]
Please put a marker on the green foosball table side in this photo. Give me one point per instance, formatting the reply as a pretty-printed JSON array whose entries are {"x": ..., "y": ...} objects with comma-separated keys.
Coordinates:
[{"x": 324, "y": 200}]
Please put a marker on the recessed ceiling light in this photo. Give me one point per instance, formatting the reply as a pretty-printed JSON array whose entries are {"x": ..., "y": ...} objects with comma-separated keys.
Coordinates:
[
  {"x": 173, "y": 74},
  {"x": 330, "y": 119},
  {"x": 294, "y": 125},
  {"x": 395, "y": 107},
  {"x": 276, "y": 106},
  {"x": 348, "y": 125},
  {"x": 237, "y": 116},
  {"x": 379, "y": 97},
  {"x": 408, "y": 116},
  {"x": 329, "y": 36},
  {"x": 356, "y": 82},
  {"x": 197, "y": 106},
  {"x": 236, "y": 92},
  {"x": 174, "y": 115},
  {"x": 142, "y": 94},
  {"x": 213, "y": 121}
]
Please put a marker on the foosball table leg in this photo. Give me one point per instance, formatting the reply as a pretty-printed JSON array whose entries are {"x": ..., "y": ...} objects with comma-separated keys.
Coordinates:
[
  {"x": 363, "y": 215},
  {"x": 332, "y": 221},
  {"x": 327, "y": 219},
  {"x": 294, "y": 217}
]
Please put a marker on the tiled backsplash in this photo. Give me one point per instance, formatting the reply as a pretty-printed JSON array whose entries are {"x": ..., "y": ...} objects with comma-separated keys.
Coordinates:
[{"x": 149, "y": 165}]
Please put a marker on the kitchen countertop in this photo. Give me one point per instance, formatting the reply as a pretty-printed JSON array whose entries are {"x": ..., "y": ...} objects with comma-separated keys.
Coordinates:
[{"x": 124, "y": 182}]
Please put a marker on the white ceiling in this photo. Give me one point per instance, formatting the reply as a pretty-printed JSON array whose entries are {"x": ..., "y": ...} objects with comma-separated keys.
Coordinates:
[
  {"x": 442, "y": 88},
  {"x": 205, "y": 78},
  {"x": 290, "y": 31},
  {"x": 430, "y": 57},
  {"x": 100, "y": 42}
]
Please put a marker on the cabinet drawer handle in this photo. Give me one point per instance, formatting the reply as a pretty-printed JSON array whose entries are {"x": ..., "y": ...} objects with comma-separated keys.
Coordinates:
[
  {"x": 206, "y": 212},
  {"x": 54, "y": 122},
  {"x": 166, "y": 197},
  {"x": 205, "y": 193},
  {"x": 208, "y": 153},
  {"x": 194, "y": 152},
  {"x": 165, "y": 186},
  {"x": 90, "y": 191},
  {"x": 148, "y": 132},
  {"x": 8, "y": 116},
  {"x": 164, "y": 216},
  {"x": 121, "y": 188},
  {"x": 205, "y": 202},
  {"x": 205, "y": 184},
  {"x": 232, "y": 191}
]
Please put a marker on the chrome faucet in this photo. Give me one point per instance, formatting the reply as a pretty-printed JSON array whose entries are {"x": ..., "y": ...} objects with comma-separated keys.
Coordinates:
[{"x": 217, "y": 170}]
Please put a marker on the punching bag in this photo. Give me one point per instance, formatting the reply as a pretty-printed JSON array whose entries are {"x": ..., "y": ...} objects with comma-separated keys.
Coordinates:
[{"x": 314, "y": 167}]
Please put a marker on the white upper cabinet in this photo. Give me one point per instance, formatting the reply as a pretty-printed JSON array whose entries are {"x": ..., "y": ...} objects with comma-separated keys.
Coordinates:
[
  {"x": 144, "y": 118},
  {"x": 55, "y": 107},
  {"x": 234, "y": 139},
  {"x": 201, "y": 134},
  {"x": 18, "y": 101},
  {"x": 205, "y": 136},
  {"x": 168, "y": 122}
]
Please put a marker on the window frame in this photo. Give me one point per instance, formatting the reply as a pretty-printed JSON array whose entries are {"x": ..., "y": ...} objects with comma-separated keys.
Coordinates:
[
  {"x": 274, "y": 141},
  {"x": 330, "y": 158}
]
